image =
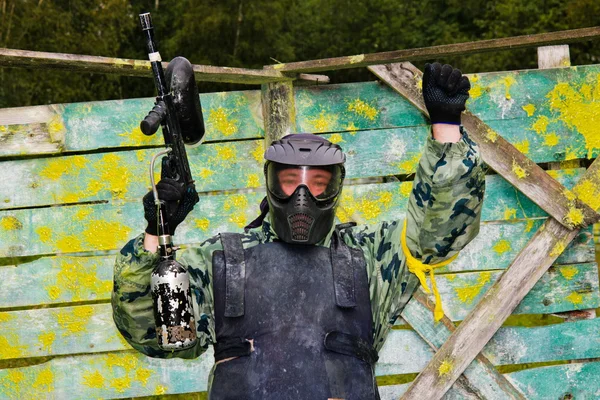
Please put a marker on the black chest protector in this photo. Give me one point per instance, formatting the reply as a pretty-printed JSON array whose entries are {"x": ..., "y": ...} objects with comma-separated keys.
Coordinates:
[{"x": 306, "y": 310}]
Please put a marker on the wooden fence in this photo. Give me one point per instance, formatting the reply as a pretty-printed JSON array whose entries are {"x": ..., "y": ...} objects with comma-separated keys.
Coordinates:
[{"x": 74, "y": 174}]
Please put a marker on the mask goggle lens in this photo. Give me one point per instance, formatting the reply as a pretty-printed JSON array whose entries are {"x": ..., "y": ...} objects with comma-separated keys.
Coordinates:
[{"x": 323, "y": 182}]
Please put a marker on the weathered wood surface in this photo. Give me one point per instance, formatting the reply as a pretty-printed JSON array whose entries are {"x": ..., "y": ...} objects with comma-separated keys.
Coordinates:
[
  {"x": 554, "y": 56},
  {"x": 428, "y": 53},
  {"x": 90, "y": 329},
  {"x": 499, "y": 154},
  {"x": 279, "y": 110},
  {"x": 90, "y": 227},
  {"x": 64, "y": 279},
  {"x": 572, "y": 381},
  {"x": 111, "y": 124},
  {"x": 522, "y": 106},
  {"x": 126, "y": 374},
  {"x": 480, "y": 377},
  {"x": 123, "y": 175},
  {"x": 122, "y": 66}
]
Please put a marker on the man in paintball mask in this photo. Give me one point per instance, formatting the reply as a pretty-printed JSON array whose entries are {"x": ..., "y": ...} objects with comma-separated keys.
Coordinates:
[{"x": 297, "y": 307}]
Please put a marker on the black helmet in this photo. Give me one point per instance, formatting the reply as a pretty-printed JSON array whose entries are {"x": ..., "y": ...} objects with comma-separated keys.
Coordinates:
[{"x": 304, "y": 175}]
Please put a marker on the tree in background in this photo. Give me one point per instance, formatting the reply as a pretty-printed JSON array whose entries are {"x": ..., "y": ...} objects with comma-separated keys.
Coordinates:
[{"x": 252, "y": 33}]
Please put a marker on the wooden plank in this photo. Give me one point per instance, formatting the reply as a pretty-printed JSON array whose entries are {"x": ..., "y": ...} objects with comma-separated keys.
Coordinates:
[
  {"x": 572, "y": 381},
  {"x": 79, "y": 127},
  {"x": 90, "y": 329},
  {"x": 429, "y": 53},
  {"x": 91, "y": 227},
  {"x": 503, "y": 157},
  {"x": 65, "y": 279},
  {"x": 554, "y": 56},
  {"x": 215, "y": 166},
  {"x": 279, "y": 111},
  {"x": 121, "y": 66}
]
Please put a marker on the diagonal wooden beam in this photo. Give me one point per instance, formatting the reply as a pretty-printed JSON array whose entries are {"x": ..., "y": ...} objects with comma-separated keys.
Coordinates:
[
  {"x": 428, "y": 53},
  {"x": 499, "y": 154},
  {"x": 463, "y": 346},
  {"x": 480, "y": 378}
]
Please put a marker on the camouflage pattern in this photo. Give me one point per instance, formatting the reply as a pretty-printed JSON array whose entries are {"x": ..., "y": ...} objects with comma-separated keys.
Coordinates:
[{"x": 443, "y": 216}]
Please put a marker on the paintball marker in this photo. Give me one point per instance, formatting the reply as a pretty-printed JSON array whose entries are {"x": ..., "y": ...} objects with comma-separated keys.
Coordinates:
[{"x": 177, "y": 109}]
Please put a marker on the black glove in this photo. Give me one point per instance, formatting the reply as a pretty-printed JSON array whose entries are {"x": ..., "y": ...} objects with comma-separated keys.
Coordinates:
[
  {"x": 445, "y": 91},
  {"x": 177, "y": 200}
]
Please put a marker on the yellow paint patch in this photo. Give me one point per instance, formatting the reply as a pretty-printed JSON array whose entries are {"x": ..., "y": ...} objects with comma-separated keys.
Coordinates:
[
  {"x": 70, "y": 243},
  {"x": 569, "y": 272},
  {"x": 568, "y": 195},
  {"x": 10, "y": 223},
  {"x": 518, "y": 170},
  {"x": 551, "y": 139},
  {"x": 10, "y": 348},
  {"x": 558, "y": 249},
  {"x": 253, "y": 181},
  {"x": 83, "y": 213},
  {"x": 405, "y": 189},
  {"x": 579, "y": 108},
  {"x": 121, "y": 384},
  {"x": 44, "y": 378},
  {"x": 575, "y": 298},
  {"x": 126, "y": 361},
  {"x": 221, "y": 121},
  {"x": 205, "y": 173},
  {"x": 324, "y": 122},
  {"x": 409, "y": 165},
  {"x": 469, "y": 294},
  {"x": 236, "y": 202},
  {"x": 363, "y": 109},
  {"x": 540, "y": 125},
  {"x": 336, "y": 138},
  {"x": 475, "y": 92},
  {"x": 258, "y": 153},
  {"x": 356, "y": 59},
  {"x": 571, "y": 154},
  {"x": 502, "y": 246},
  {"x": 104, "y": 235},
  {"x": 16, "y": 376},
  {"x": 445, "y": 368},
  {"x": 47, "y": 339},
  {"x": 5, "y": 317},
  {"x": 55, "y": 126},
  {"x": 202, "y": 224},
  {"x": 352, "y": 128},
  {"x": 226, "y": 153},
  {"x": 160, "y": 389},
  {"x": 74, "y": 322},
  {"x": 574, "y": 217},
  {"x": 142, "y": 375},
  {"x": 508, "y": 81},
  {"x": 114, "y": 175},
  {"x": 56, "y": 168},
  {"x": 510, "y": 213},
  {"x": 588, "y": 192},
  {"x": 553, "y": 173},
  {"x": 53, "y": 292},
  {"x": 529, "y": 109},
  {"x": 491, "y": 135},
  {"x": 93, "y": 379},
  {"x": 523, "y": 146},
  {"x": 239, "y": 219},
  {"x": 136, "y": 137}
]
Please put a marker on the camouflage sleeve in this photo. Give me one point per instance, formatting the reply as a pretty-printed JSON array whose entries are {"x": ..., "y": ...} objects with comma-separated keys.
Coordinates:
[
  {"x": 444, "y": 208},
  {"x": 132, "y": 301}
]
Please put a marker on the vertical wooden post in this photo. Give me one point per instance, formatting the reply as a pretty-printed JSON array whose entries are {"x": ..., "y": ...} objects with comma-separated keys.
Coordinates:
[
  {"x": 554, "y": 56},
  {"x": 279, "y": 110}
]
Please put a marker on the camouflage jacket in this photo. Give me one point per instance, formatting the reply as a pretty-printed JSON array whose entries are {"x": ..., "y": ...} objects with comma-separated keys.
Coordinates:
[{"x": 443, "y": 216}]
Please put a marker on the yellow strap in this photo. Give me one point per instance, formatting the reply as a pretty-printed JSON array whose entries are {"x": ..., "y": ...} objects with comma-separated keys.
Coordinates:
[{"x": 419, "y": 269}]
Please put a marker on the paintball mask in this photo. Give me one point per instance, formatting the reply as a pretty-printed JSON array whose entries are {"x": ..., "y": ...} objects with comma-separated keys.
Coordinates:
[{"x": 304, "y": 175}]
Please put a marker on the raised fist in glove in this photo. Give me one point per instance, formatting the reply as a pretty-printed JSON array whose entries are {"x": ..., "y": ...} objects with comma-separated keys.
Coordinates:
[
  {"x": 445, "y": 91},
  {"x": 177, "y": 200}
]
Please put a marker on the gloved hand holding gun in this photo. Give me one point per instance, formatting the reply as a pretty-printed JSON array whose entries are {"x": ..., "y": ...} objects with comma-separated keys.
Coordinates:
[{"x": 178, "y": 111}]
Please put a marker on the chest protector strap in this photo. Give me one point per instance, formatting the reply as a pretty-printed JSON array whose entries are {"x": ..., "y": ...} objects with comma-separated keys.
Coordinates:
[
  {"x": 343, "y": 271},
  {"x": 235, "y": 268}
]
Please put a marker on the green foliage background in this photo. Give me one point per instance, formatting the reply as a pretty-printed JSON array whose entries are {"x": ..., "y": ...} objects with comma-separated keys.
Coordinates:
[{"x": 252, "y": 33}]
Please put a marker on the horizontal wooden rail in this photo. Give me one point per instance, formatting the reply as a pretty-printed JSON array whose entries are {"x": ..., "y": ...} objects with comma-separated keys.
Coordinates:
[
  {"x": 123, "y": 66},
  {"x": 426, "y": 53}
]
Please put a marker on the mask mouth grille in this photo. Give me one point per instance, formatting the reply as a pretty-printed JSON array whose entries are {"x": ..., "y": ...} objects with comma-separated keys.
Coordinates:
[{"x": 300, "y": 224}]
